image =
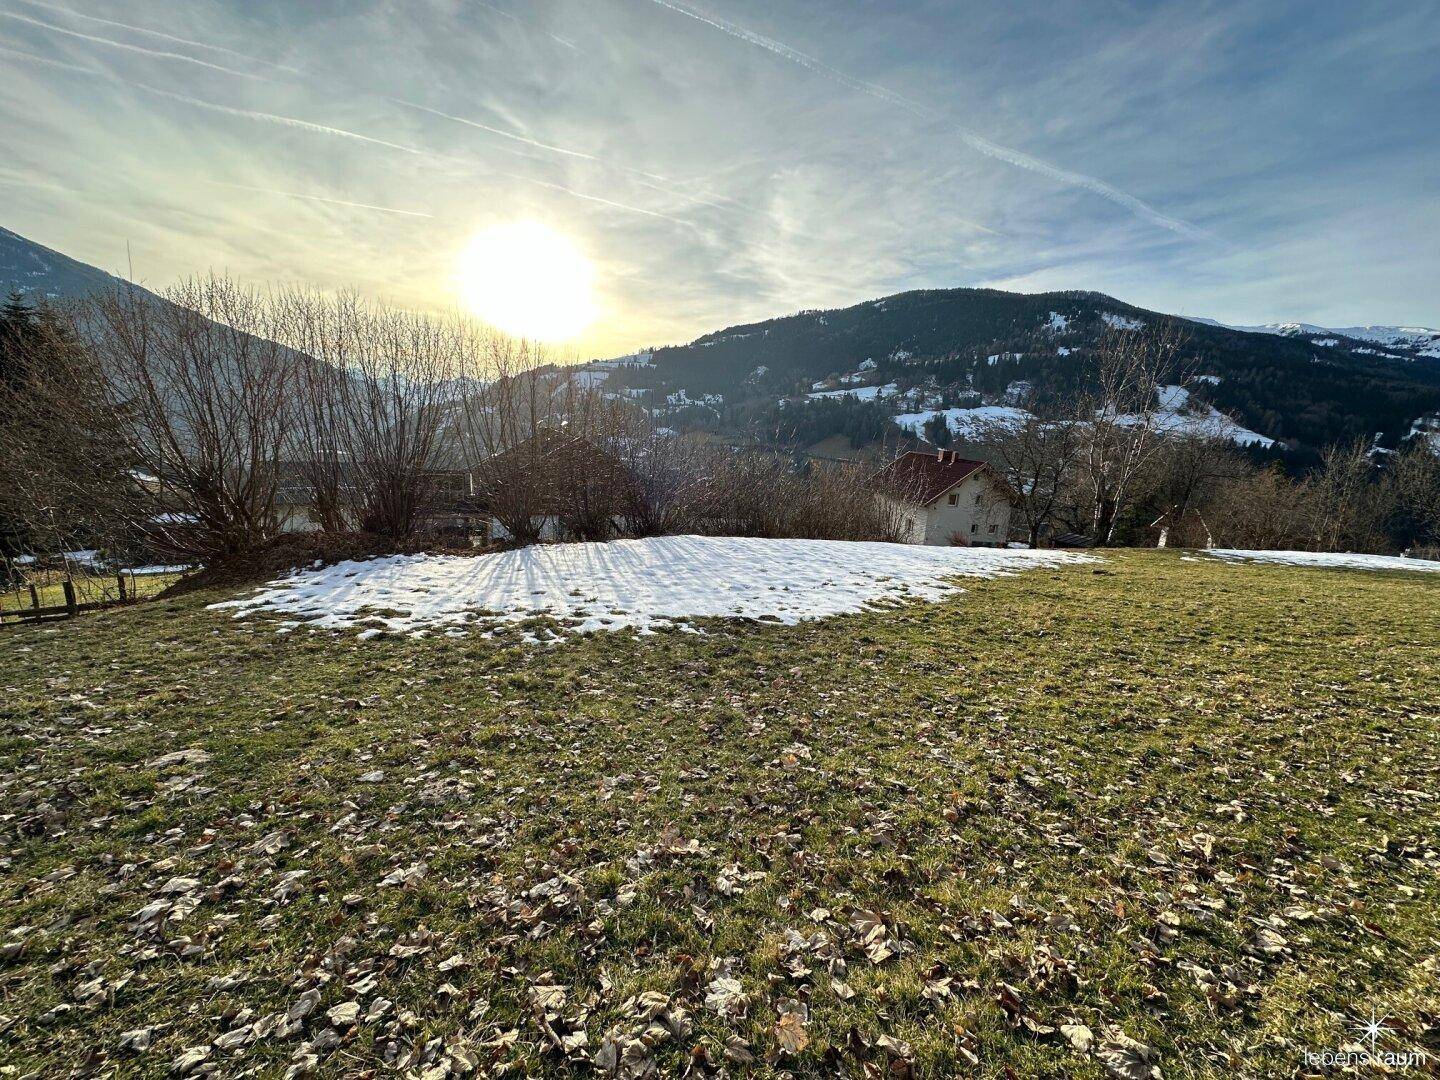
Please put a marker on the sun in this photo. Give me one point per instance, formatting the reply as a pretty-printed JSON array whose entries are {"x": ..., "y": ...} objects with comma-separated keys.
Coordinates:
[{"x": 528, "y": 280}]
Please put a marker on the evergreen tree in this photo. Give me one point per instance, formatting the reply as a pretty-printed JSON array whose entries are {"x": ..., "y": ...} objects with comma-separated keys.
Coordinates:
[{"x": 937, "y": 430}]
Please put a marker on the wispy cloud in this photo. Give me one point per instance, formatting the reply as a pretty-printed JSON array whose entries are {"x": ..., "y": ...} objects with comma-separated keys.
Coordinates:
[
  {"x": 157, "y": 54},
  {"x": 975, "y": 141},
  {"x": 321, "y": 199},
  {"x": 517, "y": 20},
  {"x": 160, "y": 34},
  {"x": 647, "y": 179},
  {"x": 343, "y": 133},
  {"x": 717, "y": 174}
]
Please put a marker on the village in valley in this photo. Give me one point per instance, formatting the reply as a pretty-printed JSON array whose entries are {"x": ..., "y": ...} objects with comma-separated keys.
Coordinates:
[{"x": 645, "y": 538}]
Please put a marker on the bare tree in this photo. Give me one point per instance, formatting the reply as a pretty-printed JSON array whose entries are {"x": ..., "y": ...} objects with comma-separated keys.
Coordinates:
[
  {"x": 1038, "y": 458},
  {"x": 1185, "y": 474},
  {"x": 1120, "y": 422},
  {"x": 1414, "y": 482},
  {"x": 376, "y": 393},
  {"x": 1348, "y": 508},
  {"x": 511, "y": 408},
  {"x": 204, "y": 396}
]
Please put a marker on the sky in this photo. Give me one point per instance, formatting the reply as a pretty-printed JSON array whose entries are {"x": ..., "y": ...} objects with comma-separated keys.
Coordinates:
[{"x": 722, "y": 161}]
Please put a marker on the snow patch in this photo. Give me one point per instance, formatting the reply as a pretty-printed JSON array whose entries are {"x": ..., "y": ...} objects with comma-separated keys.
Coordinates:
[
  {"x": 1334, "y": 560},
  {"x": 1178, "y": 415},
  {"x": 632, "y": 584},
  {"x": 859, "y": 393},
  {"x": 974, "y": 423},
  {"x": 1120, "y": 322}
]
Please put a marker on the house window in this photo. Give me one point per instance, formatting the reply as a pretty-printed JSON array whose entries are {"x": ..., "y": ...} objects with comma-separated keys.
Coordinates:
[
  {"x": 977, "y": 498},
  {"x": 975, "y": 528},
  {"x": 954, "y": 498},
  {"x": 992, "y": 528}
]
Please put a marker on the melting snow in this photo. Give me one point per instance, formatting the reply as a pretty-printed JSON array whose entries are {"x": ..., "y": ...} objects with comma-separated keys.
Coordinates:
[
  {"x": 973, "y": 423},
  {"x": 640, "y": 584},
  {"x": 1121, "y": 322},
  {"x": 1332, "y": 559},
  {"x": 1177, "y": 415},
  {"x": 861, "y": 393}
]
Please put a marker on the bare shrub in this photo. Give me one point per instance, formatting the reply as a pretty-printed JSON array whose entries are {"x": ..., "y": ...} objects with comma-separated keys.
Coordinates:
[
  {"x": 1263, "y": 509},
  {"x": 376, "y": 391},
  {"x": 750, "y": 493},
  {"x": 511, "y": 405},
  {"x": 1413, "y": 480},
  {"x": 204, "y": 399},
  {"x": 1348, "y": 509}
]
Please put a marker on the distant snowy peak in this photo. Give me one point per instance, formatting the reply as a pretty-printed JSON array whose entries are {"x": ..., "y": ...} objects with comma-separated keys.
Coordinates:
[{"x": 1416, "y": 339}]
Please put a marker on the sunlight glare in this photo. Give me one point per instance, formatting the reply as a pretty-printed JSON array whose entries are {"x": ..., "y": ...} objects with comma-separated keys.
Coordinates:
[{"x": 528, "y": 280}]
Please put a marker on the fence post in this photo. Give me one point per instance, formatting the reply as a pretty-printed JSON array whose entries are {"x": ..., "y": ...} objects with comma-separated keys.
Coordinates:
[
  {"x": 120, "y": 579},
  {"x": 34, "y": 596},
  {"x": 71, "y": 607}
]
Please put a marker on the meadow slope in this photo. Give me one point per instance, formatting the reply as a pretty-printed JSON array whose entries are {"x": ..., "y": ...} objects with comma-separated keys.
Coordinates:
[{"x": 1153, "y": 816}]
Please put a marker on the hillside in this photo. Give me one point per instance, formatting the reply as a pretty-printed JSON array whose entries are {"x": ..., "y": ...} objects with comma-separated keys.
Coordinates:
[
  {"x": 920, "y": 352},
  {"x": 1156, "y": 816},
  {"x": 40, "y": 273},
  {"x": 854, "y": 371}
]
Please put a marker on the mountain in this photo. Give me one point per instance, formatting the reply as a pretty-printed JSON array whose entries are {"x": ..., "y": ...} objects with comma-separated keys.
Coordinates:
[
  {"x": 39, "y": 272},
  {"x": 892, "y": 365},
  {"x": 1408, "y": 341},
  {"x": 906, "y": 357}
]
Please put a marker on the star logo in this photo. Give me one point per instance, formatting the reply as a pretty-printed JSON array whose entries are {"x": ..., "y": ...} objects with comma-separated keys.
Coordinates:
[{"x": 1371, "y": 1029}]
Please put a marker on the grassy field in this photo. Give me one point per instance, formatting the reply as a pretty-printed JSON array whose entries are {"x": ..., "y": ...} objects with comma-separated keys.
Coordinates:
[
  {"x": 1161, "y": 816},
  {"x": 89, "y": 588}
]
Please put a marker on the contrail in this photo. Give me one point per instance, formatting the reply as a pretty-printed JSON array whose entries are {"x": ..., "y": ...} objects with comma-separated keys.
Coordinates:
[
  {"x": 321, "y": 199},
  {"x": 159, "y": 54},
  {"x": 516, "y": 19},
  {"x": 646, "y": 179},
  {"x": 273, "y": 118},
  {"x": 47, "y": 61},
  {"x": 598, "y": 199},
  {"x": 159, "y": 34},
  {"x": 975, "y": 141},
  {"x": 342, "y": 133}
]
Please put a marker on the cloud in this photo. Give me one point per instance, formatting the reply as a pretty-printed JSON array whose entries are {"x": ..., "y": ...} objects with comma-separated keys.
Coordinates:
[
  {"x": 711, "y": 184},
  {"x": 110, "y": 43},
  {"x": 1007, "y": 154},
  {"x": 321, "y": 199},
  {"x": 155, "y": 33}
]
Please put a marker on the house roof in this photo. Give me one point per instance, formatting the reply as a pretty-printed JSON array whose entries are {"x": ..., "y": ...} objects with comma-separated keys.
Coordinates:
[{"x": 923, "y": 476}]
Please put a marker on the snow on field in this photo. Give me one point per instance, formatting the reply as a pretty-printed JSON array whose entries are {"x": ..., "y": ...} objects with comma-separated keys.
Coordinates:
[
  {"x": 973, "y": 423},
  {"x": 1121, "y": 322},
  {"x": 1331, "y": 559},
  {"x": 1178, "y": 415},
  {"x": 640, "y": 584},
  {"x": 860, "y": 393}
]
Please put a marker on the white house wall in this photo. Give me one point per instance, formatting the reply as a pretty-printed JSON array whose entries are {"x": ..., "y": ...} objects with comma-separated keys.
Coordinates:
[{"x": 944, "y": 521}]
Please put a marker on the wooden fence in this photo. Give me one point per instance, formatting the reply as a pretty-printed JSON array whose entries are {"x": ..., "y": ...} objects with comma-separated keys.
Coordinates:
[{"x": 125, "y": 595}]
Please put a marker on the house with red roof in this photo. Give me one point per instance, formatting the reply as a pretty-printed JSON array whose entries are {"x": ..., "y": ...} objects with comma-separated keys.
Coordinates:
[{"x": 948, "y": 499}]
